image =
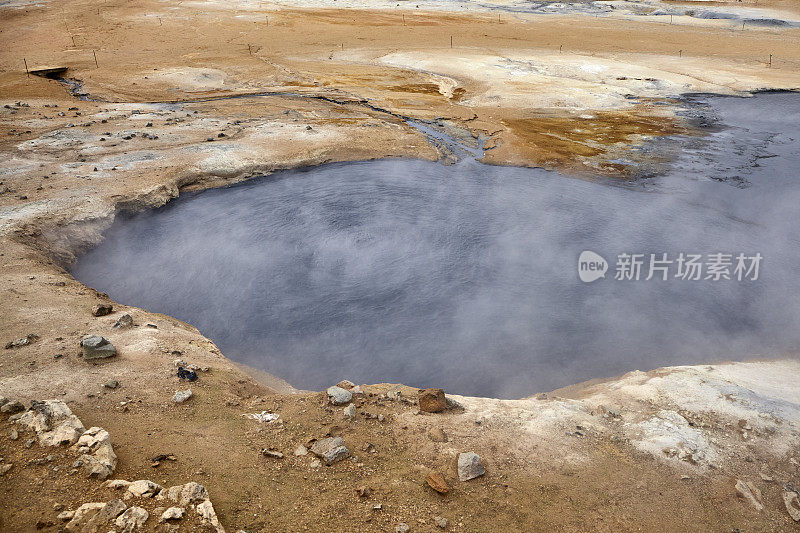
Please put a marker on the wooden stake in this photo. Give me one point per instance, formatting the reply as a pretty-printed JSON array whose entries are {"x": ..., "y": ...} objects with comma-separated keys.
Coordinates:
[
  {"x": 451, "y": 41},
  {"x": 770, "y": 61},
  {"x": 95, "y": 59},
  {"x": 27, "y": 72},
  {"x": 560, "y": 47},
  {"x": 73, "y": 41},
  {"x": 404, "y": 19},
  {"x": 680, "y": 53}
]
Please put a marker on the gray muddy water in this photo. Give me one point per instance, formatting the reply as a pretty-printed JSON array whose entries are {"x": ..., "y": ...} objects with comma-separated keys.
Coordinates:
[{"x": 466, "y": 276}]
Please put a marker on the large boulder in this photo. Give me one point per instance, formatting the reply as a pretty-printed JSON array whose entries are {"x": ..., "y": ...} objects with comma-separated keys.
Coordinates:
[{"x": 96, "y": 347}]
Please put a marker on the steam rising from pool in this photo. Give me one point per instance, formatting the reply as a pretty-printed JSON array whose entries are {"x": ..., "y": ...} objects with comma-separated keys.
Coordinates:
[{"x": 465, "y": 276}]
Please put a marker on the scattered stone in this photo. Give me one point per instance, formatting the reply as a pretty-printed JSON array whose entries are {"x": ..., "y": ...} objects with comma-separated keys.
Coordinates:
[
  {"x": 125, "y": 321},
  {"x": 206, "y": 510},
  {"x": 452, "y": 404},
  {"x": 339, "y": 396},
  {"x": 66, "y": 515},
  {"x": 436, "y": 481},
  {"x": 402, "y": 527},
  {"x": 14, "y": 434},
  {"x": 749, "y": 492},
  {"x": 24, "y": 341},
  {"x": 350, "y": 411},
  {"x": 469, "y": 466},
  {"x": 12, "y": 407},
  {"x": 263, "y": 416},
  {"x": 104, "y": 516},
  {"x": 356, "y": 390},
  {"x": 441, "y": 521},
  {"x": 182, "y": 396},
  {"x": 437, "y": 435},
  {"x": 183, "y": 495},
  {"x": 155, "y": 461},
  {"x": 301, "y": 451},
  {"x": 792, "y": 502},
  {"x": 395, "y": 393},
  {"x": 102, "y": 461},
  {"x": 5, "y": 467},
  {"x": 53, "y": 423},
  {"x": 102, "y": 309},
  {"x": 369, "y": 447},
  {"x": 315, "y": 463},
  {"x": 143, "y": 488},
  {"x": 132, "y": 519},
  {"x": 432, "y": 400},
  {"x": 117, "y": 484},
  {"x": 96, "y": 347},
  {"x": 765, "y": 477},
  {"x": 363, "y": 491},
  {"x": 82, "y": 515},
  {"x": 346, "y": 384},
  {"x": 271, "y": 453},
  {"x": 330, "y": 450},
  {"x": 111, "y": 384},
  {"x": 173, "y": 513}
]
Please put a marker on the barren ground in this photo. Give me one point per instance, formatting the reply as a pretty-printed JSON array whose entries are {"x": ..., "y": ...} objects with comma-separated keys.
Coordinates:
[{"x": 657, "y": 451}]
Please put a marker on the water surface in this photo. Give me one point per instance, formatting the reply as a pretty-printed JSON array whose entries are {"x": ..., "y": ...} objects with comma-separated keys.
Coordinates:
[{"x": 465, "y": 276}]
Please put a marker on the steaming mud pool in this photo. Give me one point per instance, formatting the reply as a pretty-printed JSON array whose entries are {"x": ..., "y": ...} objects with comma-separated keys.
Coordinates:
[{"x": 466, "y": 276}]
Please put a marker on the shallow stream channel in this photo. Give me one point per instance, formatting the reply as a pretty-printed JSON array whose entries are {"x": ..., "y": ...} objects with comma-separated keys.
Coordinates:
[{"x": 467, "y": 276}]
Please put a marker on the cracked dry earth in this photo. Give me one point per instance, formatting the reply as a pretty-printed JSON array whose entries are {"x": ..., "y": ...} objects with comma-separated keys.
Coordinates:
[{"x": 705, "y": 448}]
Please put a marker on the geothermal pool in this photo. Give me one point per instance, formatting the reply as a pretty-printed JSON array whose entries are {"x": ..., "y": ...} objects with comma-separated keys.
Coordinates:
[{"x": 466, "y": 276}]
